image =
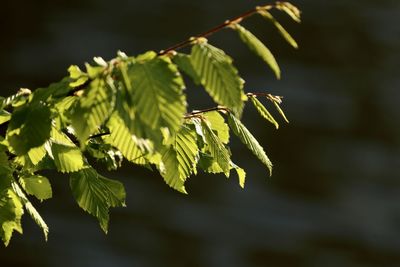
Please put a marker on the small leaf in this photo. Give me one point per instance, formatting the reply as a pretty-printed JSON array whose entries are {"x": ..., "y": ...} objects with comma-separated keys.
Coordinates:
[
  {"x": 218, "y": 76},
  {"x": 241, "y": 174},
  {"x": 216, "y": 148},
  {"x": 248, "y": 139},
  {"x": 263, "y": 111},
  {"x": 290, "y": 9},
  {"x": 37, "y": 185},
  {"x": 280, "y": 28},
  {"x": 258, "y": 48},
  {"x": 11, "y": 211},
  {"x": 31, "y": 210},
  {"x": 4, "y": 116},
  {"x": 180, "y": 159},
  {"x": 96, "y": 194},
  {"x": 37, "y": 154},
  {"x": 218, "y": 125},
  {"x": 280, "y": 111}
]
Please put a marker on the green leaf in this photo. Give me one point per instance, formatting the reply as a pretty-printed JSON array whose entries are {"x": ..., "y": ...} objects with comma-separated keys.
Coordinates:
[
  {"x": 248, "y": 139},
  {"x": 218, "y": 125},
  {"x": 218, "y": 76},
  {"x": 290, "y": 9},
  {"x": 216, "y": 148},
  {"x": 4, "y": 116},
  {"x": 67, "y": 158},
  {"x": 11, "y": 211},
  {"x": 280, "y": 111},
  {"x": 184, "y": 63},
  {"x": 55, "y": 90},
  {"x": 93, "y": 108},
  {"x": 180, "y": 159},
  {"x": 131, "y": 147},
  {"x": 241, "y": 174},
  {"x": 29, "y": 127},
  {"x": 96, "y": 194},
  {"x": 258, "y": 48},
  {"x": 156, "y": 90},
  {"x": 37, "y": 185},
  {"x": 31, "y": 209},
  {"x": 265, "y": 14},
  {"x": 36, "y": 154},
  {"x": 263, "y": 111}
]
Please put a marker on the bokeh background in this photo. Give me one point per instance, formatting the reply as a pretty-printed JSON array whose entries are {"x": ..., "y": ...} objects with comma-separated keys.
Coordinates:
[{"x": 334, "y": 197}]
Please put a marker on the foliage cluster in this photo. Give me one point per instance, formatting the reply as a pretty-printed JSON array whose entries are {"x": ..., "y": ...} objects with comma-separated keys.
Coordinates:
[{"x": 134, "y": 109}]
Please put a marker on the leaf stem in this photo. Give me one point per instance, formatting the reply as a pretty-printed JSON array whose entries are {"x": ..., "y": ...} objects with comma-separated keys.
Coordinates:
[
  {"x": 221, "y": 26},
  {"x": 196, "y": 113}
]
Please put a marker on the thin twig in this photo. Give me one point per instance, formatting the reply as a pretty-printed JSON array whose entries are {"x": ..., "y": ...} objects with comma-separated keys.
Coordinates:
[
  {"x": 223, "y": 25},
  {"x": 196, "y": 113}
]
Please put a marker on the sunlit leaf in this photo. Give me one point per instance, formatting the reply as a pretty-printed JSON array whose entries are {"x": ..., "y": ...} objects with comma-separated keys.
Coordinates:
[
  {"x": 258, "y": 48},
  {"x": 249, "y": 140},
  {"x": 11, "y": 211},
  {"x": 37, "y": 185},
  {"x": 218, "y": 75},
  {"x": 96, "y": 194},
  {"x": 263, "y": 111}
]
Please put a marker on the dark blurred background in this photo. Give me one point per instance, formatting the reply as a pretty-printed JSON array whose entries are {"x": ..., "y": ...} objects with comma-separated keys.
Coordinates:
[{"x": 334, "y": 197}]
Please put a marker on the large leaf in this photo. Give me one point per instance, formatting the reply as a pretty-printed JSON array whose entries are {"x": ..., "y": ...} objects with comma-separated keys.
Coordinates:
[
  {"x": 218, "y": 75},
  {"x": 249, "y": 140},
  {"x": 96, "y": 194},
  {"x": 216, "y": 148},
  {"x": 263, "y": 111},
  {"x": 29, "y": 127},
  {"x": 37, "y": 185},
  {"x": 93, "y": 108},
  {"x": 131, "y": 147},
  {"x": 258, "y": 48},
  {"x": 156, "y": 88},
  {"x": 11, "y": 211},
  {"x": 180, "y": 159}
]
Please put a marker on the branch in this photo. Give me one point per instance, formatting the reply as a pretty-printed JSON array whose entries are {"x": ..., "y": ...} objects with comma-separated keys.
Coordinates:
[{"x": 224, "y": 25}]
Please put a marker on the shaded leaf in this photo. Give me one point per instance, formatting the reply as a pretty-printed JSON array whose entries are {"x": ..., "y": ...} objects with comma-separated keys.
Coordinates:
[
  {"x": 184, "y": 63},
  {"x": 11, "y": 211}
]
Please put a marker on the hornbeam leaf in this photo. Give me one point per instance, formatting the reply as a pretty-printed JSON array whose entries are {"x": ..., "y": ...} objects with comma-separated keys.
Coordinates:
[
  {"x": 290, "y": 10},
  {"x": 218, "y": 125},
  {"x": 131, "y": 147},
  {"x": 11, "y": 211},
  {"x": 280, "y": 28},
  {"x": 31, "y": 210},
  {"x": 258, "y": 48},
  {"x": 184, "y": 63},
  {"x": 218, "y": 76},
  {"x": 216, "y": 148},
  {"x": 93, "y": 108},
  {"x": 4, "y": 116},
  {"x": 29, "y": 127},
  {"x": 96, "y": 194},
  {"x": 67, "y": 158},
  {"x": 37, "y": 154},
  {"x": 156, "y": 88},
  {"x": 281, "y": 111},
  {"x": 241, "y": 174},
  {"x": 248, "y": 139},
  {"x": 37, "y": 185},
  {"x": 263, "y": 111},
  {"x": 181, "y": 158}
]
